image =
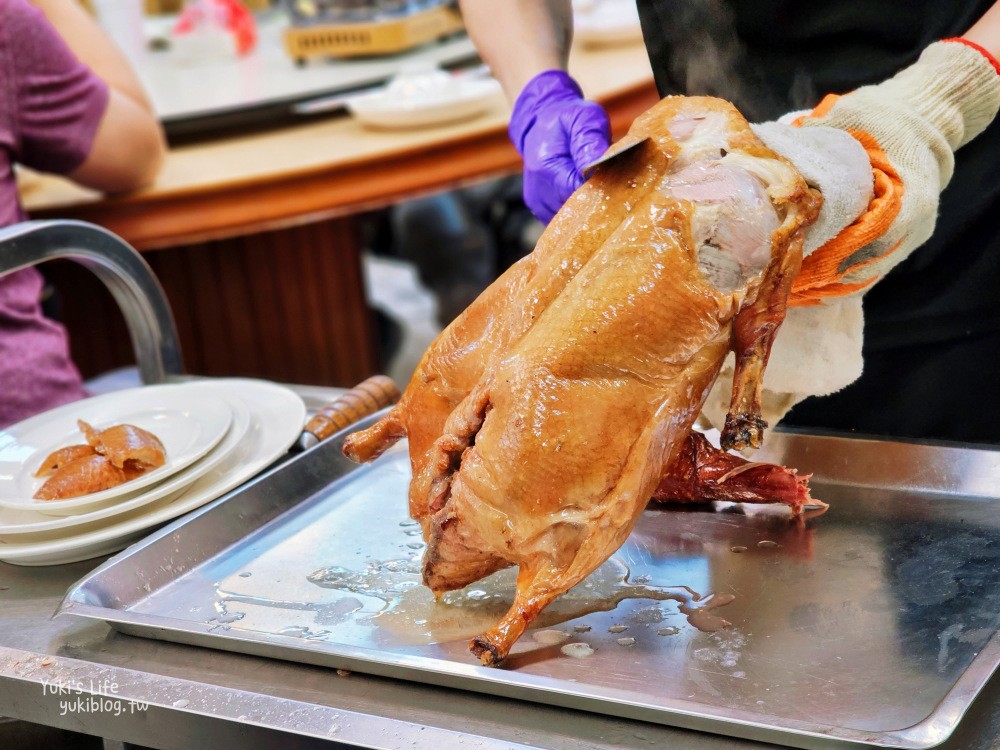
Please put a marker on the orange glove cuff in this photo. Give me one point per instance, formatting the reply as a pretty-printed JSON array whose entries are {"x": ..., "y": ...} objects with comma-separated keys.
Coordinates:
[
  {"x": 981, "y": 50},
  {"x": 822, "y": 271}
]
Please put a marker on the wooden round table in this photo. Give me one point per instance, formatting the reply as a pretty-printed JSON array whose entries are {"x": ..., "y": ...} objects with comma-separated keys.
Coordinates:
[{"x": 255, "y": 236}]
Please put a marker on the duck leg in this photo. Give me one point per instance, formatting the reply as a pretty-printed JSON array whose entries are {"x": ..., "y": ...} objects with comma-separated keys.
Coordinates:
[
  {"x": 754, "y": 329},
  {"x": 537, "y": 587}
]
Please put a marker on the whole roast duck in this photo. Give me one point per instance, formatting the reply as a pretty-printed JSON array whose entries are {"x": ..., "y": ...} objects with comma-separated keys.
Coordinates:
[{"x": 543, "y": 419}]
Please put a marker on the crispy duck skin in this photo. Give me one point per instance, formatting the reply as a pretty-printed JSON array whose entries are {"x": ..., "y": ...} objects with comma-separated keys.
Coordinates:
[
  {"x": 81, "y": 476},
  {"x": 703, "y": 473},
  {"x": 502, "y": 314},
  {"x": 112, "y": 456},
  {"x": 123, "y": 443},
  {"x": 541, "y": 421},
  {"x": 57, "y": 459}
]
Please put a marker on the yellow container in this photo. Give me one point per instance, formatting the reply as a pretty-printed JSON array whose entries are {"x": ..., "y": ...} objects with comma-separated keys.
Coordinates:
[{"x": 371, "y": 37}]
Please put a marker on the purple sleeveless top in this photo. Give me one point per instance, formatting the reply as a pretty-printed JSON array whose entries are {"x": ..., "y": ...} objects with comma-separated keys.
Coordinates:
[{"x": 50, "y": 108}]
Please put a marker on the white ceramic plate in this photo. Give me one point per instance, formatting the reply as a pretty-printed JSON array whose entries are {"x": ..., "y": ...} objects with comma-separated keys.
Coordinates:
[
  {"x": 38, "y": 526},
  {"x": 463, "y": 99},
  {"x": 277, "y": 418},
  {"x": 188, "y": 419}
]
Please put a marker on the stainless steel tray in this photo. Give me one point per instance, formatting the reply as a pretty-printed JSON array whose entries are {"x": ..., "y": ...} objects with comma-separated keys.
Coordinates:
[{"x": 874, "y": 624}]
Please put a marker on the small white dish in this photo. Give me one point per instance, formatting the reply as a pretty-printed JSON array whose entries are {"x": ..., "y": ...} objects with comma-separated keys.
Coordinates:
[
  {"x": 277, "y": 418},
  {"x": 604, "y": 23},
  {"x": 15, "y": 525},
  {"x": 424, "y": 96},
  {"x": 188, "y": 419}
]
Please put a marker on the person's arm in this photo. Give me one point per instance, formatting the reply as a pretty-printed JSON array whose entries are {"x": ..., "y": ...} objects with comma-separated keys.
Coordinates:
[
  {"x": 129, "y": 147},
  {"x": 555, "y": 130},
  {"x": 986, "y": 31},
  {"x": 519, "y": 39},
  {"x": 906, "y": 130}
]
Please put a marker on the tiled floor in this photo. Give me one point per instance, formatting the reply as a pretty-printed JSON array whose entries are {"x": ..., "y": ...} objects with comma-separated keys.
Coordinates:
[{"x": 393, "y": 286}]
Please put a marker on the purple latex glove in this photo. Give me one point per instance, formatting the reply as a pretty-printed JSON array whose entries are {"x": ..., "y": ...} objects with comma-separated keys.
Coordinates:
[{"x": 558, "y": 133}]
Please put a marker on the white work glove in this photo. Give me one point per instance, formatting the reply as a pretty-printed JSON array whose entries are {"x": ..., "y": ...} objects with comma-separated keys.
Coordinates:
[{"x": 898, "y": 137}]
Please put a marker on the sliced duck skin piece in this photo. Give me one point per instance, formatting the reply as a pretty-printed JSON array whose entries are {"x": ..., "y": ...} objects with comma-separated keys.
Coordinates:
[
  {"x": 63, "y": 456},
  {"x": 126, "y": 442},
  {"x": 81, "y": 477}
]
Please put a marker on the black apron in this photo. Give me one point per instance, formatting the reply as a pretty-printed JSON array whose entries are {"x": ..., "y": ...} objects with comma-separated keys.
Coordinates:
[{"x": 932, "y": 333}]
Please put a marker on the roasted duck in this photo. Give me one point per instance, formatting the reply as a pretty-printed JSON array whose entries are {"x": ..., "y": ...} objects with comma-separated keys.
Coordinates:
[
  {"x": 542, "y": 420},
  {"x": 111, "y": 457}
]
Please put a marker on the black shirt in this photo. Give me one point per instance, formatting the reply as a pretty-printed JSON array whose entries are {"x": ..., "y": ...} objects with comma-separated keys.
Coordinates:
[{"x": 932, "y": 333}]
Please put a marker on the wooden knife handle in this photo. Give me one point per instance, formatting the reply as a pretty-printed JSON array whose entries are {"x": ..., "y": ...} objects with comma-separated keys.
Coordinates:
[{"x": 366, "y": 398}]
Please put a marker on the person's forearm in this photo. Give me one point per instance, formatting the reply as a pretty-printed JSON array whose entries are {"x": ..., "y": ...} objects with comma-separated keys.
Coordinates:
[
  {"x": 91, "y": 45},
  {"x": 986, "y": 31},
  {"x": 520, "y": 38}
]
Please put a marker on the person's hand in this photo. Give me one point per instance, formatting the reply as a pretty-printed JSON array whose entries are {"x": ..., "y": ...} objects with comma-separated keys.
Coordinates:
[
  {"x": 880, "y": 203},
  {"x": 558, "y": 133}
]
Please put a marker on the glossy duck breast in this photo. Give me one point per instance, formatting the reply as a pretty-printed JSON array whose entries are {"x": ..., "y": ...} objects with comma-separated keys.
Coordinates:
[{"x": 541, "y": 421}]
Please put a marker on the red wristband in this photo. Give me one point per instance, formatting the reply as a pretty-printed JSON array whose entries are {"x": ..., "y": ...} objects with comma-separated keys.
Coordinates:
[{"x": 993, "y": 61}]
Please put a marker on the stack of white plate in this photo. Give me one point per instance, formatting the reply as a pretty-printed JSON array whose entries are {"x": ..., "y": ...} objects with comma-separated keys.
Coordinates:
[{"x": 217, "y": 434}]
